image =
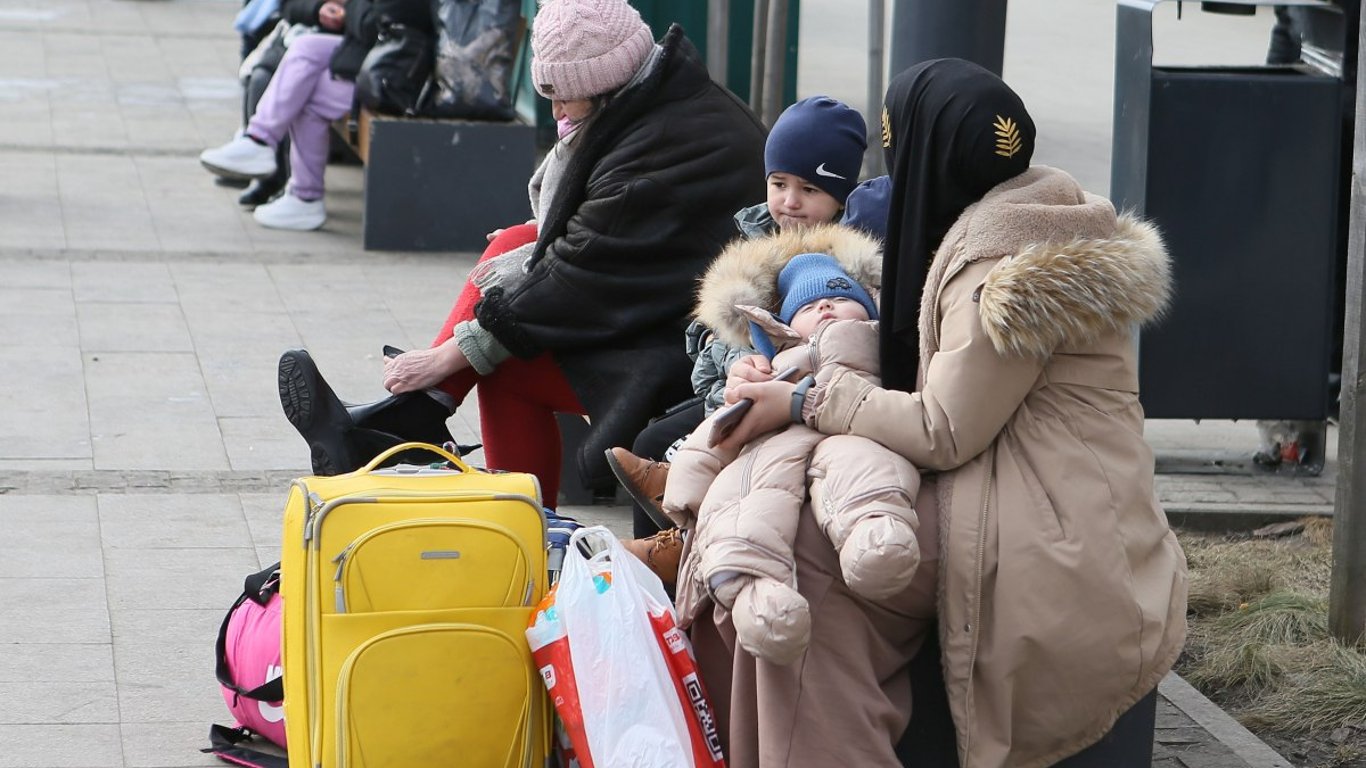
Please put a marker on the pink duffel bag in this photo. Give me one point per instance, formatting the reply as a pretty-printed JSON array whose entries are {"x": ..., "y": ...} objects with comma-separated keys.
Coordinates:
[{"x": 248, "y": 665}]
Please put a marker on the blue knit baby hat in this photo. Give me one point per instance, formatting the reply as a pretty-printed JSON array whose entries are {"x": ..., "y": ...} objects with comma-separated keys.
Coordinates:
[{"x": 812, "y": 276}]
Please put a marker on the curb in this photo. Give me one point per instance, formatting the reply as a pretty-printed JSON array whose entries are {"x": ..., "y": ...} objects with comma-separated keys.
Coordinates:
[
  {"x": 1219, "y": 724},
  {"x": 1233, "y": 516}
]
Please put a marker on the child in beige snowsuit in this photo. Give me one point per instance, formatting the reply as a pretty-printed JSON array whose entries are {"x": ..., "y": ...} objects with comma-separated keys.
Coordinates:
[{"x": 743, "y": 507}]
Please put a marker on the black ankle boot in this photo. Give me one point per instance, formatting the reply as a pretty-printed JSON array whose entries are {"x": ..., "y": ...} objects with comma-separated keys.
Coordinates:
[
  {"x": 412, "y": 416},
  {"x": 319, "y": 415},
  {"x": 343, "y": 438}
]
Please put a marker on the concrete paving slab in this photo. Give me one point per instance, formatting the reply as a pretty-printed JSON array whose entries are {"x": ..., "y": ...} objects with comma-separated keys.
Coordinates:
[
  {"x": 21, "y": 56},
  {"x": 145, "y": 283},
  {"x": 103, "y": 205},
  {"x": 33, "y": 122},
  {"x": 30, "y": 203},
  {"x": 170, "y": 627},
  {"x": 69, "y": 663},
  {"x": 132, "y": 327},
  {"x": 42, "y": 394},
  {"x": 167, "y": 745},
  {"x": 49, "y": 537},
  {"x": 60, "y": 702},
  {"x": 265, "y": 513},
  {"x": 188, "y": 211},
  {"x": 242, "y": 385},
  {"x": 57, "y": 328},
  {"x": 159, "y": 683},
  {"x": 141, "y": 421},
  {"x": 232, "y": 288},
  {"x": 262, "y": 443},
  {"x": 176, "y": 578},
  {"x": 29, "y": 274},
  {"x": 172, "y": 521},
  {"x": 53, "y": 610},
  {"x": 60, "y": 746}
]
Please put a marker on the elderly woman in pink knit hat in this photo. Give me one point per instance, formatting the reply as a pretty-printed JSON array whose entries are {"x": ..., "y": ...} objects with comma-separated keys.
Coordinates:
[{"x": 579, "y": 311}]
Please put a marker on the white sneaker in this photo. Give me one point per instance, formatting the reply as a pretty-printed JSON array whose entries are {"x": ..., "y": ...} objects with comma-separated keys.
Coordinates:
[
  {"x": 240, "y": 158},
  {"x": 289, "y": 212}
]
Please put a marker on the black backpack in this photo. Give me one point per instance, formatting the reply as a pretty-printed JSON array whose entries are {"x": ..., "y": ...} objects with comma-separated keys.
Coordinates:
[{"x": 395, "y": 70}]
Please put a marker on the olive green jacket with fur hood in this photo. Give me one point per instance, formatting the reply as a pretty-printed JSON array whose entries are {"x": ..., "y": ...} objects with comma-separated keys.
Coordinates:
[{"x": 1062, "y": 589}]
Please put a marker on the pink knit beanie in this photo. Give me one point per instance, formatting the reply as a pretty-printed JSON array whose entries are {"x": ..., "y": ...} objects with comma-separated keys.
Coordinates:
[{"x": 586, "y": 48}]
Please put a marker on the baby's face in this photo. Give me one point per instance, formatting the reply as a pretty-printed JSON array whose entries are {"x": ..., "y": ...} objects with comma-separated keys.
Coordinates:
[{"x": 812, "y": 314}]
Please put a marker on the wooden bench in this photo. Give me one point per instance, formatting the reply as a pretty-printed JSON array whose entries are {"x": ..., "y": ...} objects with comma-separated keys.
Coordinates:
[{"x": 439, "y": 185}]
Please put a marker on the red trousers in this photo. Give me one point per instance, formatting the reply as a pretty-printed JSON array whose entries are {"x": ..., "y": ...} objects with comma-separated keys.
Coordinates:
[{"x": 519, "y": 400}]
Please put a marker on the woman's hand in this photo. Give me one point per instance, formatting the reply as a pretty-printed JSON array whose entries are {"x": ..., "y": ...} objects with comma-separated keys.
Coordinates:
[
  {"x": 332, "y": 16},
  {"x": 423, "y": 368},
  {"x": 751, "y": 368},
  {"x": 772, "y": 409}
]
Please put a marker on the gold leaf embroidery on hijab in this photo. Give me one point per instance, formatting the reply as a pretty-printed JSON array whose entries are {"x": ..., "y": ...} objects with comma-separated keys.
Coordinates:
[
  {"x": 886, "y": 129},
  {"x": 1007, "y": 136}
]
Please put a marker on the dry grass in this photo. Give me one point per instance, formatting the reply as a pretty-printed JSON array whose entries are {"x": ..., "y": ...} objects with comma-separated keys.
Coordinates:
[
  {"x": 1259, "y": 640},
  {"x": 1327, "y": 691}
]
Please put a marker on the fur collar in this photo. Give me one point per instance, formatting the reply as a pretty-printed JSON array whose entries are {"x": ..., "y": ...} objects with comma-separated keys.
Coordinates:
[
  {"x": 746, "y": 273},
  {"x": 1053, "y": 294}
]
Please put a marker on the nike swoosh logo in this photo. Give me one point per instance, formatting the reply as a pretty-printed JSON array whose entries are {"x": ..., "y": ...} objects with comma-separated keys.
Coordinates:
[{"x": 820, "y": 171}]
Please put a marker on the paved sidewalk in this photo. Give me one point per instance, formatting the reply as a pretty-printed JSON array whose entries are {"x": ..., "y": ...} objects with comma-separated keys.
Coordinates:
[{"x": 143, "y": 455}]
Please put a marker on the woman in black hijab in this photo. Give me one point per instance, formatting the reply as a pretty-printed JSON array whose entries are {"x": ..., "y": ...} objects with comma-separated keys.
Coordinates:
[
  {"x": 937, "y": 115},
  {"x": 1009, "y": 302}
]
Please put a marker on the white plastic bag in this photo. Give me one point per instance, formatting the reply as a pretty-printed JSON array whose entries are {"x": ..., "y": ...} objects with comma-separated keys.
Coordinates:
[{"x": 629, "y": 691}]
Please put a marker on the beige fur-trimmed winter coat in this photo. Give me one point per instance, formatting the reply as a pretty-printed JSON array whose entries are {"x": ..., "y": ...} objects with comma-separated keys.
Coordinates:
[{"x": 1062, "y": 589}]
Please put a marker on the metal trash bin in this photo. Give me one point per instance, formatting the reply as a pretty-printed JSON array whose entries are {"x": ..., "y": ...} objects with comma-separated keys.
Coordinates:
[{"x": 1239, "y": 167}]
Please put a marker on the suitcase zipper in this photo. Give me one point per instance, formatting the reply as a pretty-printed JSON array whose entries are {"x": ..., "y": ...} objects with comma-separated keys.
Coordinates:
[{"x": 345, "y": 558}]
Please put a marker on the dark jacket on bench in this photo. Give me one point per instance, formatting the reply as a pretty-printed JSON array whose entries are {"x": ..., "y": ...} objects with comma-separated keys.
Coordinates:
[
  {"x": 361, "y": 28},
  {"x": 646, "y": 203}
]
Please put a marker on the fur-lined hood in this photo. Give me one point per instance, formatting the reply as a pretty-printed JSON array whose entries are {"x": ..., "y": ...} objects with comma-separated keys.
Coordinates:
[
  {"x": 746, "y": 273},
  {"x": 1071, "y": 270},
  {"x": 1056, "y": 294}
]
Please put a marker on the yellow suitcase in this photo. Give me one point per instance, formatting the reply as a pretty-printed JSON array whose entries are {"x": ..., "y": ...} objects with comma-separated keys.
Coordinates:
[{"x": 407, "y": 592}]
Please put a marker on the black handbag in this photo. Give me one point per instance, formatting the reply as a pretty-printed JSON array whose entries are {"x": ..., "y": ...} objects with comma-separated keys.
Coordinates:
[
  {"x": 476, "y": 52},
  {"x": 395, "y": 71}
]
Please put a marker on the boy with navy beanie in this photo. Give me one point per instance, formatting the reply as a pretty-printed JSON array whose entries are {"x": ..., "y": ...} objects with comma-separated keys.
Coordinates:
[
  {"x": 820, "y": 140},
  {"x": 812, "y": 160}
]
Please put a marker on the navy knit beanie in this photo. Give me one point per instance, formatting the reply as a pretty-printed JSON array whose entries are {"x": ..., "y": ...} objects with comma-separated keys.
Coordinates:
[
  {"x": 821, "y": 140},
  {"x": 812, "y": 276}
]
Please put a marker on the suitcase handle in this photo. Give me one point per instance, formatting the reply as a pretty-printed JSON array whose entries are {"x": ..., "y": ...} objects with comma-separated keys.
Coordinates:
[{"x": 442, "y": 452}]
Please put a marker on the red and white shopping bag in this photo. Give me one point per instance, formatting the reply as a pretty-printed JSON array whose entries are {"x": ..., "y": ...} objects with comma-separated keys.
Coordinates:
[{"x": 619, "y": 671}]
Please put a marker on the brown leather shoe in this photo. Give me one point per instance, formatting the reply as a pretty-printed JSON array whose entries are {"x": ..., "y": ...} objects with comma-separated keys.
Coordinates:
[
  {"x": 661, "y": 552},
  {"x": 644, "y": 480}
]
